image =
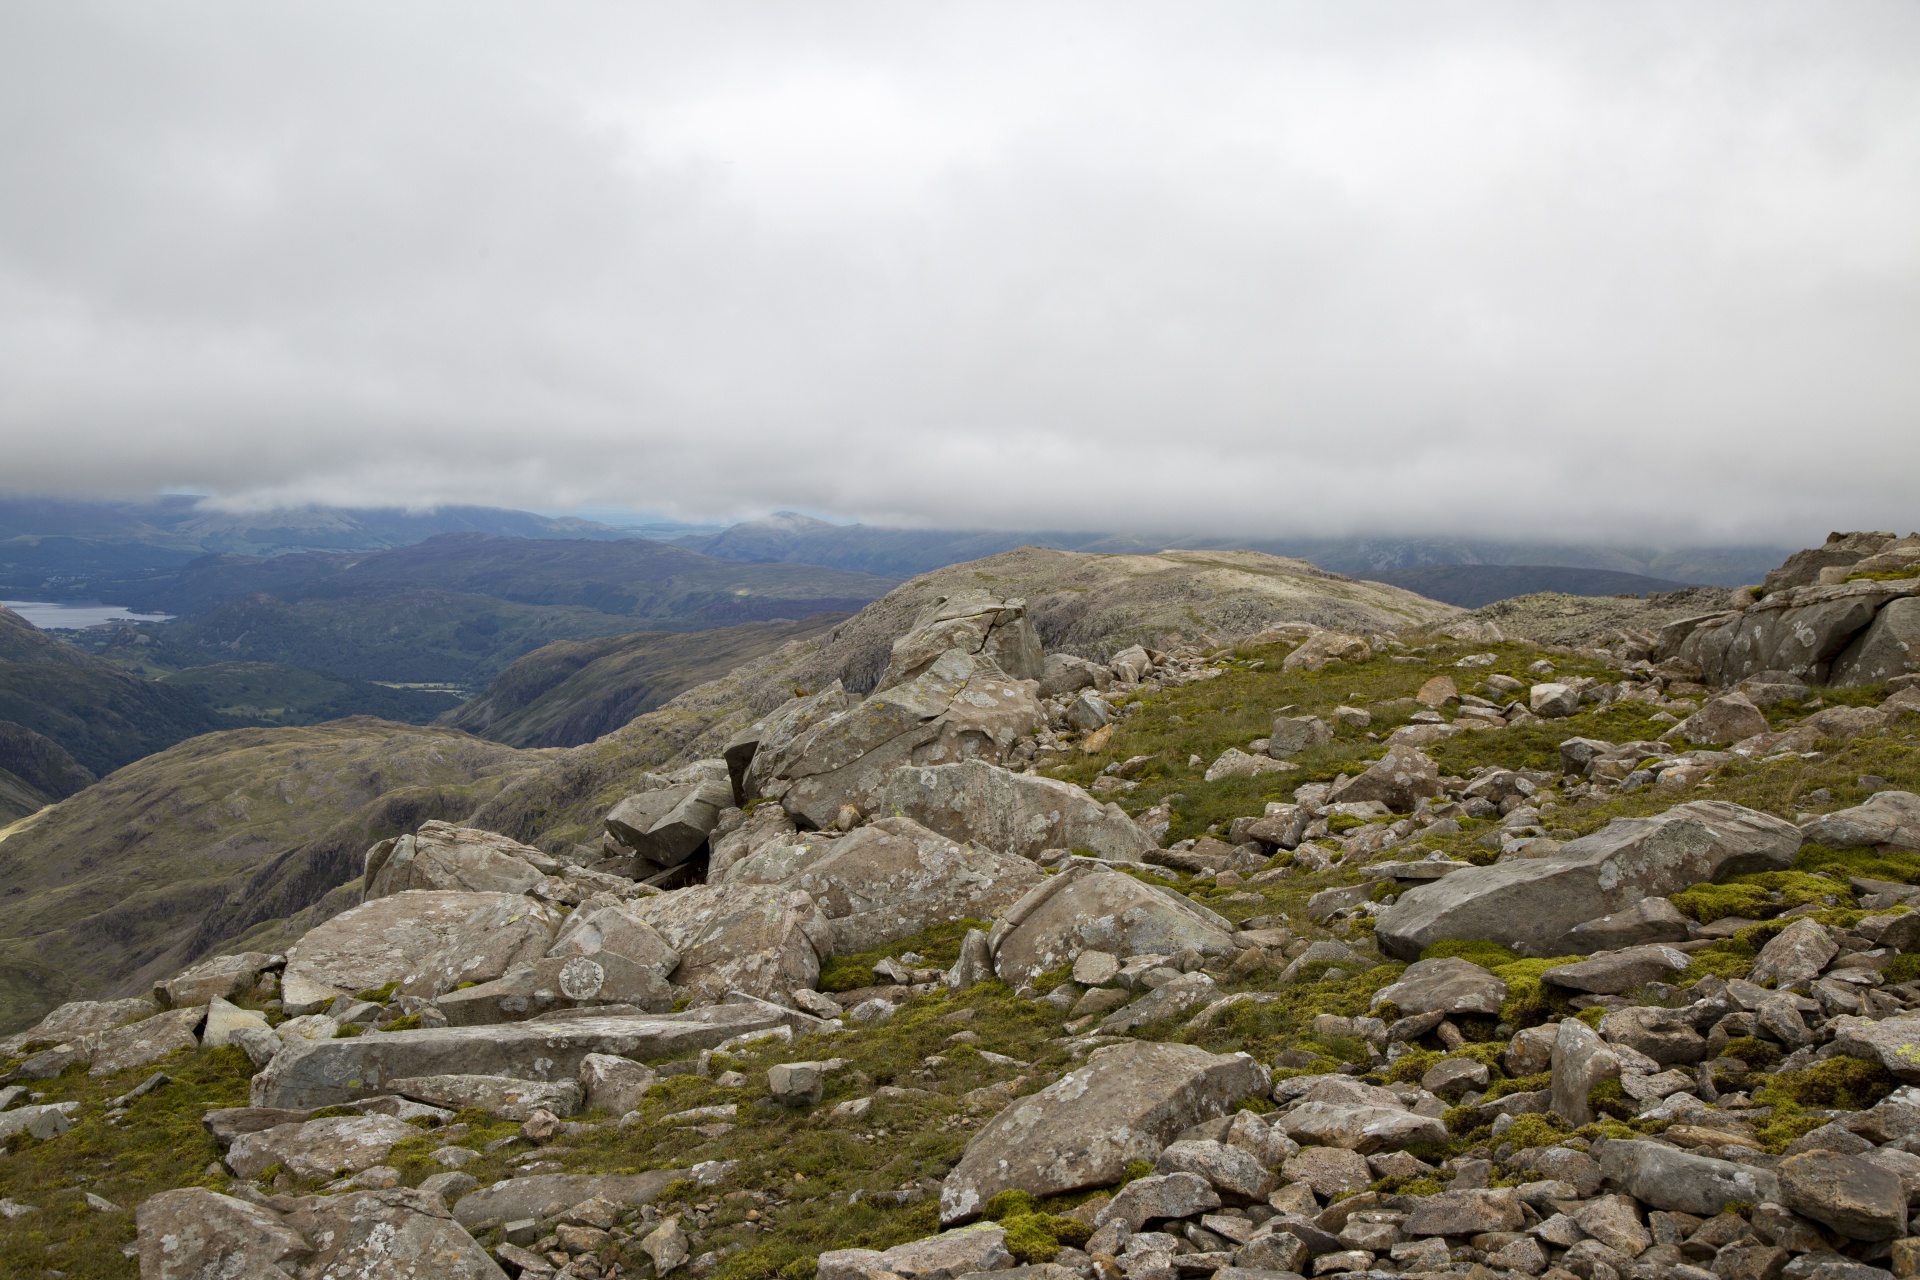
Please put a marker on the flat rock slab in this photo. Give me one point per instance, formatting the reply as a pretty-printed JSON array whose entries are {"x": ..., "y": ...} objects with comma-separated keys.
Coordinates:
[
  {"x": 1889, "y": 817},
  {"x": 194, "y": 1232},
  {"x": 1661, "y": 1177},
  {"x": 322, "y": 1148},
  {"x": 1087, "y": 908},
  {"x": 79, "y": 1018},
  {"x": 1448, "y": 985},
  {"x": 548, "y": 1195},
  {"x": 502, "y": 1096},
  {"x": 893, "y": 878},
  {"x": 323, "y": 1073},
  {"x": 1125, "y": 1104},
  {"x": 139, "y": 1044},
  {"x": 1018, "y": 813},
  {"x": 1533, "y": 905},
  {"x": 1612, "y": 972},
  {"x": 388, "y": 1233},
  {"x": 427, "y": 941}
]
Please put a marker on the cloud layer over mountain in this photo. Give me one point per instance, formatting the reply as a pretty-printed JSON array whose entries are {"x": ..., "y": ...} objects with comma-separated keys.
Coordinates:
[{"x": 1515, "y": 269}]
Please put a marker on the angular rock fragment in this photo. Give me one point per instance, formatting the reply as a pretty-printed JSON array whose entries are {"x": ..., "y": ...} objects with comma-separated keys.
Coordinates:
[
  {"x": 319, "y": 1148},
  {"x": 1088, "y": 909},
  {"x": 1446, "y": 986},
  {"x": 503, "y": 1096},
  {"x": 1889, "y": 818},
  {"x": 1612, "y": 972},
  {"x": 1857, "y": 1199},
  {"x": 1018, "y": 813},
  {"x": 1399, "y": 780},
  {"x": 218, "y": 977},
  {"x": 1651, "y": 920},
  {"x": 667, "y": 825},
  {"x": 765, "y": 940},
  {"x": 194, "y": 1232},
  {"x": 442, "y": 856}
]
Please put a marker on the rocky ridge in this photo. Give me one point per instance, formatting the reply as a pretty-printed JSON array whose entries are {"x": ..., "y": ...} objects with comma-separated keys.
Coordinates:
[{"x": 1670, "y": 1045}]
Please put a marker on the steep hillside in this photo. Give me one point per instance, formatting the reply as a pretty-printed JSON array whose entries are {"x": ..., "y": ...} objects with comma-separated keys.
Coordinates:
[
  {"x": 276, "y": 694},
  {"x": 1472, "y": 585},
  {"x": 35, "y": 771},
  {"x": 103, "y": 716},
  {"x": 172, "y": 855},
  {"x": 1093, "y": 605},
  {"x": 573, "y": 691}
]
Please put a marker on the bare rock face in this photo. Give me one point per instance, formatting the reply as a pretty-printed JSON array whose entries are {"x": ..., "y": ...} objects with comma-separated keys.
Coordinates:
[
  {"x": 1125, "y": 1104},
  {"x": 428, "y": 941},
  {"x": 215, "y": 978},
  {"x": 962, "y": 707},
  {"x": 1612, "y": 972},
  {"x": 1889, "y": 647},
  {"x": 559, "y": 982},
  {"x": 1854, "y": 1197},
  {"x": 767, "y": 826},
  {"x": 667, "y": 825},
  {"x": 319, "y": 1148},
  {"x": 1801, "y": 630},
  {"x": 1581, "y": 1060},
  {"x": 548, "y": 1195},
  {"x": 442, "y": 856},
  {"x": 765, "y": 940},
  {"x": 1533, "y": 905},
  {"x": 1088, "y": 909},
  {"x": 973, "y": 622},
  {"x": 1018, "y": 813},
  {"x": 325, "y": 1073},
  {"x": 603, "y": 925},
  {"x": 194, "y": 1233},
  {"x": 1890, "y": 818},
  {"x": 894, "y": 877},
  {"x": 766, "y": 742}
]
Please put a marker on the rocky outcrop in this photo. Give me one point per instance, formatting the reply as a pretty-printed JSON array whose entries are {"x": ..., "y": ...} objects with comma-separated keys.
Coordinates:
[
  {"x": 1533, "y": 905},
  {"x": 442, "y": 856},
  {"x": 426, "y": 941},
  {"x": 972, "y": 622},
  {"x": 893, "y": 878},
  {"x": 1085, "y": 908},
  {"x": 1127, "y": 1103},
  {"x": 666, "y": 825},
  {"x": 1802, "y": 630},
  {"x": 1019, "y": 813},
  {"x": 764, "y": 940}
]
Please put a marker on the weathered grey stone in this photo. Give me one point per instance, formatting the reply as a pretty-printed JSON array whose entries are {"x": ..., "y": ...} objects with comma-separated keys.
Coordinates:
[
  {"x": 319, "y": 1148},
  {"x": 1447, "y": 986},
  {"x": 603, "y": 925},
  {"x": 1855, "y": 1198},
  {"x": 43, "y": 1120},
  {"x": 1125, "y": 1104},
  {"x": 773, "y": 734},
  {"x": 1085, "y": 908},
  {"x": 1452, "y": 1076},
  {"x": 1651, "y": 920},
  {"x": 1795, "y": 955},
  {"x": 1612, "y": 972},
  {"x": 766, "y": 827},
  {"x": 558, "y": 982},
  {"x": 503, "y": 1096},
  {"x": 1888, "y": 818},
  {"x": 397, "y": 1232},
  {"x": 1532, "y": 905},
  {"x": 1581, "y": 1060},
  {"x": 1615, "y": 1222},
  {"x": 1230, "y": 1170},
  {"x": 1293, "y": 734},
  {"x": 139, "y": 1043},
  {"x": 1280, "y": 1252},
  {"x": 217, "y": 977},
  {"x": 974, "y": 622},
  {"x": 797, "y": 1084},
  {"x": 1731, "y": 717},
  {"x": 1665, "y": 1035},
  {"x": 548, "y": 1195},
  {"x": 1017, "y": 813},
  {"x": 1801, "y": 630},
  {"x": 78, "y": 1018},
  {"x": 666, "y": 825},
  {"x": 1553, "y": 700},
  {"x": 1399, "y": 780},
  {"x": 427, "y": 941},
  {"x": 1170, "y": 1195},
  {"x": 765, "y": 940},
  {"x": 224, "y": 1020},
  {"x": 1890, "y": 646},
  {"x": 1328, "y": 1170},
  {"x": 1562, "y": 1166},
  {"x": 1466, "y": 1213},
  {"x": 1184, "y": 994},
  {"x": 442, "y": 856},
  {"x": 197, "y": 1234},
  {"x": 1364, "y": 1129},
  {"x": 893, "y": 878},
  {"x": 962, "y": 707},
  {"x": 616, "y": 1085},
  {"x": 1063, "y": 673},
  {"x": 1894, "y": 1043},
  {"x": 322, "y": 1073},
  {"x": 1323, "y": 647}
]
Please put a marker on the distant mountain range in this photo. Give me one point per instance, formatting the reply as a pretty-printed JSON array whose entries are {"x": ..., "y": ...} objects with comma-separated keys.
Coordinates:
[{"x": 1472, "y": 585}]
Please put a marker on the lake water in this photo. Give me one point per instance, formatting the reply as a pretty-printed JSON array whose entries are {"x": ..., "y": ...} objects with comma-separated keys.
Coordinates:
[{"x": 68, "y": 615}]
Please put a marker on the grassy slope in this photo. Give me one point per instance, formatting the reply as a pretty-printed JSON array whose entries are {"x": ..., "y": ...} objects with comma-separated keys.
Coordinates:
[
  {"x": 573, "y": 691},
  {"x": 276, "y": 694},
  {"x": 806, "y": 1166},
  {"x": 211, "y": 837}
]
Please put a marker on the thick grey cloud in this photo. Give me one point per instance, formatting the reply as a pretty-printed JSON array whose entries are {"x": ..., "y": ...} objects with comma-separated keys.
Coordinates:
[{"x": 1596, "y": 271}]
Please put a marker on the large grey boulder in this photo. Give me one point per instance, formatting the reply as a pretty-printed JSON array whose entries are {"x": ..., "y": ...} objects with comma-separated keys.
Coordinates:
[
  {"x": 603, "y": 925},
  {"x": 770, "y": 737},
  {"x": 1840, "y": 550},
  {"x": 1795, "y": 955},
  {"x": 1127, "y": 1103},
  {"x": 1801, "y": 630},
  {"x": 559, "y": 982},
  {"x": 548, "y": 1195},
  {"x": 1064, "y": 673},
  {"x": 1887, "y": 818},
  {"x": 970, "y": 1251},
  {"x": 79, "y": 1018},
  {"x": 1731, "y": 717},
  {"x": 1856, "y": 1198},
  {"x": 325, "y": 1073},
  {"x": 426, "y": 940},
  {"x": 1581, "y": 1060},
  {"x": 1646, "y": 921},
  {"x": 1662, "y": 1177},
  {"x": 215, "y": 978},
  {"x": 322, "y": 1148},
  {"x": 1612, "y": 972},
  {"x": 767, "y": 826},
  {"x": 1532, "y": 905},
  {"x": 1448, "y": 985},
  {"x": 504, "y": 1096},
  {"x": 1889, "y": 647},
  {"x": 399, "y": 1232},
  {"x": 142, "y": 1043},
  {"x": 442, "y": 856},
  {"x": 1085, "y": 908},
  {"x": 667, "y": 825},
  {"x": 962, "y": 707},
  {"x": 1018, "y": 813},
  {"x": 765, "y": 940},
  {"x": 197, "y": 1234},
  {"x": 1893, "y": 1043},
  {"x": 893, "y": 878},
  {"x": 973, "y": 622},
  {"x": 1400, "y": 780}
]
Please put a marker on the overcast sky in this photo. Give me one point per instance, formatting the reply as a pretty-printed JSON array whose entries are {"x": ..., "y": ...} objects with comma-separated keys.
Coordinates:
[{"x": 1607, "y": 270}]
